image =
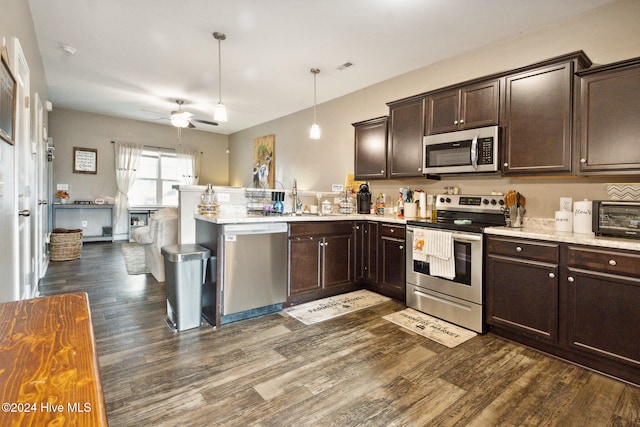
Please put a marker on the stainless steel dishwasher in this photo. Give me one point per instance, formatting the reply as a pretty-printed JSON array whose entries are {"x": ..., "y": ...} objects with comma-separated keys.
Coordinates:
[{"x": 254, "y": 276}]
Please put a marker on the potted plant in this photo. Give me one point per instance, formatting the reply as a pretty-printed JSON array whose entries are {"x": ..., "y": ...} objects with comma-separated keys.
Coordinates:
[{"x": 63, "y": 196}]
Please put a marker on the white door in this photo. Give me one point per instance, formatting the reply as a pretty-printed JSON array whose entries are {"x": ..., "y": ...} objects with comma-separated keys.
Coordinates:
[
  {"x": 42, "y": 183},
  {"x": 25, "y": 168}
]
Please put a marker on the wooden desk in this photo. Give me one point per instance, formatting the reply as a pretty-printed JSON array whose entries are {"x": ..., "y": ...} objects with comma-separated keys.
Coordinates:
[{"x": 49, "y": 371}]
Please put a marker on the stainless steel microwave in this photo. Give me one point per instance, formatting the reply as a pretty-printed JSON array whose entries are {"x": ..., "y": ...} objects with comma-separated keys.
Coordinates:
[
  {"x": 465, "y": 151},
  {"x": 616, "y": 218}
]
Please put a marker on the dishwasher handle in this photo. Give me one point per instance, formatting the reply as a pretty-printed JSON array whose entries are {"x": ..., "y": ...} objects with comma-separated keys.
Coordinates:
[{"x": 254, "y": 228}]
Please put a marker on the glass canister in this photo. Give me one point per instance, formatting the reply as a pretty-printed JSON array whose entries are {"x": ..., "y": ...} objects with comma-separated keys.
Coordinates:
[{"x": 208, "y": 205}]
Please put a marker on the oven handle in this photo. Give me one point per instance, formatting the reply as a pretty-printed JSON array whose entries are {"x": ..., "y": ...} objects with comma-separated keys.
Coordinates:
[{"x": 469, "y": 238}]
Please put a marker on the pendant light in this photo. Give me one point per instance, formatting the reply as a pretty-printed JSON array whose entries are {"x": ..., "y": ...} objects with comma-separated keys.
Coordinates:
[
  {"x": 220, "y": 112},
  {"x": 314, "y": 133}
]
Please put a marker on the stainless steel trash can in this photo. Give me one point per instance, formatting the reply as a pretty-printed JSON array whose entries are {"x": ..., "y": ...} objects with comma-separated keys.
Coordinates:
[{"x": 184, "y": 269}]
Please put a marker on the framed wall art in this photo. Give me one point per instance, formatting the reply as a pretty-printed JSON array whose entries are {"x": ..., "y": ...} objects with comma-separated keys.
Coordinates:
[
  {"x": 85, "y": 160},
  {"x": 7, "y": 101}
]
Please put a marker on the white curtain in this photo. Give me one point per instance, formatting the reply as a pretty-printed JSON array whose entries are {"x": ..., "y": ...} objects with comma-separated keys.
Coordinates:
[
  {"x": 127, "y": 157},
  {"x": 189, "y": 166}
]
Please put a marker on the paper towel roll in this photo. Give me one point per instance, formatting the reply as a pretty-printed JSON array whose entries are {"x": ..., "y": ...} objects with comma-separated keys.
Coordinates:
[
  {"x": 564, "y": 221},
  {"x": 422, "y": 202},
  {"x": 582, "y": 217}
]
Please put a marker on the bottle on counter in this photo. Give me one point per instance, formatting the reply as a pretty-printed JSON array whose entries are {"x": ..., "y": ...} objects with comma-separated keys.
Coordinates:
[{"x": 380, "y": 204}]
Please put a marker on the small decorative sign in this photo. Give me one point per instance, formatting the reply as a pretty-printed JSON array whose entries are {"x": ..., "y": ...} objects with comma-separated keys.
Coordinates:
[{"x": 85, "y": 160}]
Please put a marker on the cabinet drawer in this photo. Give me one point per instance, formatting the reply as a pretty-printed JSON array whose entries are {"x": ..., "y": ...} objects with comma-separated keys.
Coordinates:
[
  {"x": 320, "y": 228},
  {"x": 388, "y": 230},
  {"x": 538, "y": 251},
  {"x": 605, "y": 261}
]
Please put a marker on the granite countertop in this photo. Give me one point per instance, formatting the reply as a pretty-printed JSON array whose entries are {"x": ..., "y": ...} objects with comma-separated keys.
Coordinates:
[
  {"x": 247, "y": 219},
  {"x": 541, "y": 232}
]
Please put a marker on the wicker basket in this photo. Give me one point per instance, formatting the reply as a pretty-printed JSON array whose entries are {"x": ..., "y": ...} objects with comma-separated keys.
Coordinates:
[{"x": 65, "y": 244}]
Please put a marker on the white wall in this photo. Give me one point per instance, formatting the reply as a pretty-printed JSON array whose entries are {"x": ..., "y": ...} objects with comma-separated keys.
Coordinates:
[
  {"x": 608, "y": 34},
  {"x": 70, "y": 128}
]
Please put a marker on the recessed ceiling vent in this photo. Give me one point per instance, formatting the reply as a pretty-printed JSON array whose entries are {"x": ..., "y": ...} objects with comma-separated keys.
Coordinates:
[{"x": 345, "y": 65}]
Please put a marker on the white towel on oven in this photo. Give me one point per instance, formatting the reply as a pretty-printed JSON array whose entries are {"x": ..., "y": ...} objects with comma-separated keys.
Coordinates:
[
  {"x": 439, "y": 250},
  {"x": 419, "y": 253}
]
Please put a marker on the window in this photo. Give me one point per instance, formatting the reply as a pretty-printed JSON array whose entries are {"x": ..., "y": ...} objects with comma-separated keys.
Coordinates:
[{"x": 157, "y": 173}]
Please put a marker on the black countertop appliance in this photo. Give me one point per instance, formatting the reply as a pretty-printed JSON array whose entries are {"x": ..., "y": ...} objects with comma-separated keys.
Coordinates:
[{"x": 364, "y": 199}]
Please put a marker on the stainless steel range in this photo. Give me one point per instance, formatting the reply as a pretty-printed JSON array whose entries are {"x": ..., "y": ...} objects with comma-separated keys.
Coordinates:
[{"x": 444, "y": 258}]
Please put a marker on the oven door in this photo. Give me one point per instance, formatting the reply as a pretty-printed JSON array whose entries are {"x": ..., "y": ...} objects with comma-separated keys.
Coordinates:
[{"x": 467, "y": 283}]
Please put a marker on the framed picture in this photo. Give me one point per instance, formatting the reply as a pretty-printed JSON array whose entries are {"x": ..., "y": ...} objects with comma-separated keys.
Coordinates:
[
  {"x": 7, "y": 101},
  {"x": 85, "y": 160}
]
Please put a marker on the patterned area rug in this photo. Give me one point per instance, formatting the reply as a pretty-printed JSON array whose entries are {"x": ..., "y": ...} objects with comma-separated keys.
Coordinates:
[
  {"x": 134, "y": 258},
  {"x": 328, "y": 308},
  {"x": 430, "y": 327}
]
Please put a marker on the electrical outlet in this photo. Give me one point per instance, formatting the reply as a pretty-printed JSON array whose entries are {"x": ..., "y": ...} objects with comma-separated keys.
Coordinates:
[{"x": 85, "y": 224}]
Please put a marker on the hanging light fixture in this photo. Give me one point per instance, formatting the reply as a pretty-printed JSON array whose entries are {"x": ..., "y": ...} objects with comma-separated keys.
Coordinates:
[
  {"x": 180, "y": 119},
  {"x": 220, "y": 112},
  {"x": 314, "y": 133}
]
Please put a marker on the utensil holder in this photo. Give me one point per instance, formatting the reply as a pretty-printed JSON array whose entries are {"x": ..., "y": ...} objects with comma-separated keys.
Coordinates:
[{"x": 514, "y": 216}]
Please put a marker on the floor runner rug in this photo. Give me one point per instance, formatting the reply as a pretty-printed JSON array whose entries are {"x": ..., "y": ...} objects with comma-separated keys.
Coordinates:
[
  {"x": 328, "y": 308},
  {"x": 134, "y": 258},
  {"x": 430, "y": 327}
]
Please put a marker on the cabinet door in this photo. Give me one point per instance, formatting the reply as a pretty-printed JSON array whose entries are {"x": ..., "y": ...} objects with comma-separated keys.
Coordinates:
[
  {"x": 602, "y": 316},
  {"x": 359, "y": 250},
  {"x": 522, "y": 296},
  {"x": 371, "y": 260},
  {"x": 392, "y": 267},
  {"x": 480, "y": 105},
  {"x": 371, "y": 149},
  {"x": 406, "y": 130},
  {"x": 304, "y": 265},
  {"x": 337, "y": 260},
  {"x": 538, "y": 119},
  {"x": 444, "y": 111},
  {"x": 610, "y": 122}
]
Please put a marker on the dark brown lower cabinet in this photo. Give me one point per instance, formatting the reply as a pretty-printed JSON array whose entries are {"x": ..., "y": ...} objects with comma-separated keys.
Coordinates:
[
  {"x": 585, "y": 307},
  {"x": 603, "y": 306},
  {"x": 320, "y": 260},
  {"x": 384, "y": 259},
  {"x": 392, "y": 264},
  {"x": 522, "y": 287}
]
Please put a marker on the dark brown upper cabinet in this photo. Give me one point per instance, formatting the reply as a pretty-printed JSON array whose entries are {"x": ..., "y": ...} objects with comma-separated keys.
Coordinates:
[
  {"x": 539, "y": 117},
  {"x": 406, "y": 130},
  {"x": 466, "y": 107},
  {"x": 371, "y": 149},
  {"x": 610, "y": 119}
]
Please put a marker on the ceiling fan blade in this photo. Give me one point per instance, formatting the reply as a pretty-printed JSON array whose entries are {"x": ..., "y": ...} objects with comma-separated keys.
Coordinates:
[
  {"x": 191, "y": 125},
  {"x": 206, "y": 122}
]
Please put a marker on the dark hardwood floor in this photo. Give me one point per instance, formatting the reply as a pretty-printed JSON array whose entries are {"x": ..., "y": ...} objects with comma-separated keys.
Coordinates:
[{"x": 356, "y": 370}]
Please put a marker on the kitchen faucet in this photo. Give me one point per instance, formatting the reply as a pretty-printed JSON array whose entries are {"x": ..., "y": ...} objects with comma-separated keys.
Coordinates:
[{"x": 294, "y": 197}]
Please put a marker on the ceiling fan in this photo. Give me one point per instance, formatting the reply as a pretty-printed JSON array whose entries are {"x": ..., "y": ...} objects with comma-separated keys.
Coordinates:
[{"x": 183, "y": 119}]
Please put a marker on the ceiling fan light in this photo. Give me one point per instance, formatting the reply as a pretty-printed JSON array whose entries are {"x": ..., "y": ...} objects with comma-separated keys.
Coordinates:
[
  {"x": 220, "y": 113},
  {"x": 179, "y": 122},
  {"x": 314, "y": 133}
]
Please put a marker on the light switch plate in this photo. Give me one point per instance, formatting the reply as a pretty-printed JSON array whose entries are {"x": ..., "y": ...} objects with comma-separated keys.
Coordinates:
[{"x": 62, "y": 187}]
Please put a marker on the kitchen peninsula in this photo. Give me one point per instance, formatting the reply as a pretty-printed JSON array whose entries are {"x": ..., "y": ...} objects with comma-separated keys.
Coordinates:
[{"x": 325, "y": 255}]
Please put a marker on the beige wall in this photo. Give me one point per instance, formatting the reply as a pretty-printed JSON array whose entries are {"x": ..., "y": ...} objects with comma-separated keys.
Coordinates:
[
  {"x": 70, "y": 128},
  {"x": 609, "y": 34}
]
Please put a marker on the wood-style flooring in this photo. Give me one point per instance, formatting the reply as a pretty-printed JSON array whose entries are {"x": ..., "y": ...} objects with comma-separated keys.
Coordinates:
[{"x": 356, "y": 370}]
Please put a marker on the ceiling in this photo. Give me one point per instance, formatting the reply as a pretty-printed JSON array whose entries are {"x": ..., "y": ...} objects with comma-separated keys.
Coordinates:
[{"x": 135, "y": 58}]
